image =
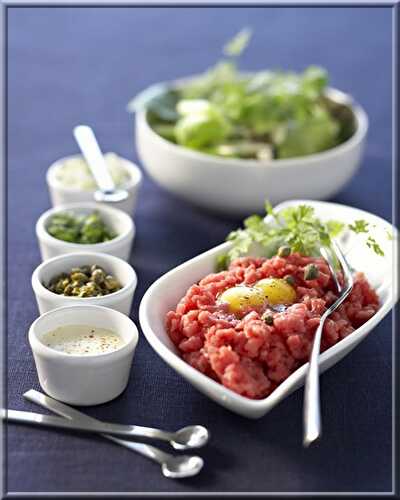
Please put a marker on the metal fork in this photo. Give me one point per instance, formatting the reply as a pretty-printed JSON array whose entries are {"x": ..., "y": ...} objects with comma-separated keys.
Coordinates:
[{"x": 312, "y": 407}]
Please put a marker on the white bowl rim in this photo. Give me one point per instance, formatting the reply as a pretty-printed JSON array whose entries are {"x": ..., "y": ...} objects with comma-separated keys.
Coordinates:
[
  {"x": 40, "y": 347},
  {"x": 173, "y": 359},
  {"x": 135, "y": 175},
  {"x": 42, "y": 291},
  {"x": 45, "y": 236},
  {"x": 314, "y": 159}
]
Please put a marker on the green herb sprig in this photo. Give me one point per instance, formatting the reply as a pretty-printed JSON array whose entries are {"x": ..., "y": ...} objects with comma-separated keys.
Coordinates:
[{"x": 297, "y": 227}]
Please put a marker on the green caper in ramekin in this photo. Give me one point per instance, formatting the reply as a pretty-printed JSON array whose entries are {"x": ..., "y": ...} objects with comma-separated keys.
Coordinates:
[{"x": 84, "y": 281}]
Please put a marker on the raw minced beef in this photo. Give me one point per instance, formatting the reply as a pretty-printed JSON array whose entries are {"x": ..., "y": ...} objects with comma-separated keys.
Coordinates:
[{"x": 243, "y": 352}]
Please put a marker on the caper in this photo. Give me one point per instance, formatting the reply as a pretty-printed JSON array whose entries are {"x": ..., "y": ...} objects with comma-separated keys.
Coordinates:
[
  {"x": 88, "y": 290},
  {"x": 111, "y": 283},
  {"x": 268, "y": 318},
  {"x": 311, "y": 272},
  {"x": 98, "y": 276},
  {"x": 59, "y": 288},
  {"x": 79, "y": 277},
  {"x": 290, "y": 279},
  {"x": 86, "y": 270},
  {"x": 68, "y": 290},
  {"x": 86, "y": 281},
  {"x": 284, "y": 251}
]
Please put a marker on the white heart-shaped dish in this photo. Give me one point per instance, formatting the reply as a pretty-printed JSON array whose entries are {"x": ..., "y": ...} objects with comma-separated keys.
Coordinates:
[{"x": 164, "y": 294}]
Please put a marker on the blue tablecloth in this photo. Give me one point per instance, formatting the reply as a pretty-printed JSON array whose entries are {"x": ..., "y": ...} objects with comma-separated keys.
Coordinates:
[{"x": 82, "y": 65}]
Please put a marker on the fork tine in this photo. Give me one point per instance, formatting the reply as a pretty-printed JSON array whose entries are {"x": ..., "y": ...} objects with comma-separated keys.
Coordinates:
[
  {"x": 326, "y": 255},
  {"x": 343, "y": 262}
]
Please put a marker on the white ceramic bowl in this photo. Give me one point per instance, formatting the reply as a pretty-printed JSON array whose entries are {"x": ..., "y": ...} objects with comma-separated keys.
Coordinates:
[
  {"x": 59, "y": 194},
  {"x": 165, "y": 293},
  {"x": 236, "y": 186},
  {"x": 120, "y": 300},
  {"x": 116, "y": 219},
  {"x": 83, "y": 380}
]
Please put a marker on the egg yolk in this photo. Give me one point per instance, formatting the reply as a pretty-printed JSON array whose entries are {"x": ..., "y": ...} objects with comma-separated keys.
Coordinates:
[
  {"x": 276, "y": 291},
  {"x": 240, "y": 298}
]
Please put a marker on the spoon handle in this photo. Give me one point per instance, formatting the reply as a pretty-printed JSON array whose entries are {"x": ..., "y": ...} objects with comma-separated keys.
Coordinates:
[
  {"x": 82, "y": 422},
  {"x": 66, "y": 411},
  {"x": 98, "y": 427},
  {"x": 90, "y": 149}
]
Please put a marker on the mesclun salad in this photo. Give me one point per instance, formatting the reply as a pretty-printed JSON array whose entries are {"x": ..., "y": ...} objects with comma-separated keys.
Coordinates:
[
  {"x": 251, "y": 324},
  {"x": 262, "y": 115}
]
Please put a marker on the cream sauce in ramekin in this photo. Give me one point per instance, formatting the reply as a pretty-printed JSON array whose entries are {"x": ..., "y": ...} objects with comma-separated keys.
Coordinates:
[{"x": 82, "y": 340}]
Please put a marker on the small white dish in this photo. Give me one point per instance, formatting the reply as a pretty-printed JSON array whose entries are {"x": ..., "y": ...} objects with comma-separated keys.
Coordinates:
[
  {"x": 120, "y": 222},
  {"x": 83, "y": 380},
  {"x": 239, "y": 186},
  {"x": 60, "y": 194},
  {"x": 120, "y": 301},
  {"x": 165, "y": 293}
]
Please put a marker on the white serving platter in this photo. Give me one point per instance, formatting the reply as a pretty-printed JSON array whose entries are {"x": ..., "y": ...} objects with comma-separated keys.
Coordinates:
[{"x": 164, "y": 294}]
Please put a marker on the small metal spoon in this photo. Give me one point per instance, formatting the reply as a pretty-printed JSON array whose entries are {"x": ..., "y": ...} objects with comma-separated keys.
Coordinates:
[
  {"x": 186, "y": 438},
  {"x": 107, "y": 192},
  {"x": 172, "y": 466},
  {"x": 193, "y": 436}
]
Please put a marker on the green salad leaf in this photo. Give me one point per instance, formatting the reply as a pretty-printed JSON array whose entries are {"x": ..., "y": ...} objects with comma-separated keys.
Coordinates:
[
  {"x": 202, "y": 124},
  {"x": 303, "y": 137},
  {"x": 238, "y": 43},
  {"x": 159, "y": 100}
]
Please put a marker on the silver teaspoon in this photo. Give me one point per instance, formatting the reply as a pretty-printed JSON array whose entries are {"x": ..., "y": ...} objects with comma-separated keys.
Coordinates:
[
  {"x": 190, "y": 437},
  {"x": 193, "y": 436},
  {"x": 107, "y": 192},
  {"x": 172, "y": 466}
]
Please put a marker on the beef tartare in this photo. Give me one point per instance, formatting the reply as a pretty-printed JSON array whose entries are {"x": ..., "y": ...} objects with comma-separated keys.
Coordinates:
[{"x": 251, "y": 326}]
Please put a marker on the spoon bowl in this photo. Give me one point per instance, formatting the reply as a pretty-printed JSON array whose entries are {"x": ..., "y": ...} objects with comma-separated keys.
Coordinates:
[
  {"x": 107, "y": 192},
  {"x": 115, "y": 196},
  {"x": 193, "y": 436},
  {"x": 176, "y": 467}
]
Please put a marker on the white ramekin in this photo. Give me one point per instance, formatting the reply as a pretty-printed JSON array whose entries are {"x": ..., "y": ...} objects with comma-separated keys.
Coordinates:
[
  {"x": 59, "y": 194},
  {"x": 116, "y": 219},
  {"x": 83, "y": 380},
  {"x": 120, "y": 301}
]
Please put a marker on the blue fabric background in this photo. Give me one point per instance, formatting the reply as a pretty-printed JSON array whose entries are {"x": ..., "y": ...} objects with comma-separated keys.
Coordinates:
[{"x": 72, "y": 65}]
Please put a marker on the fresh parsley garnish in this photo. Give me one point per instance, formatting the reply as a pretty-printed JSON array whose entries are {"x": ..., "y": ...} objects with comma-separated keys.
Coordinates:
[
  {"x": 389, "y": 235},
  {"x": 359, "y": 226},
  {"x": 373, "y": 244},
  {"x": 296, "y": 226}
]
